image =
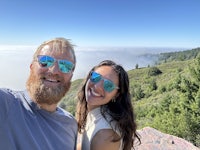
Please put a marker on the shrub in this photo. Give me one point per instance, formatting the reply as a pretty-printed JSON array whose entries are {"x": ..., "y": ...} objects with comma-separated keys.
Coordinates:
[{"x": 153, "y": 71}]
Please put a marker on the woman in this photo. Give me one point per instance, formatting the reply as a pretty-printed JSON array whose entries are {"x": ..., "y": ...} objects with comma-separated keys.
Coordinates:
[{"x": 104, "y": 112}]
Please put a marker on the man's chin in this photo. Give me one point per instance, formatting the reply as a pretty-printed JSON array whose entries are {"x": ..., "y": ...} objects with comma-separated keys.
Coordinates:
[
  {"x": 43, "y": 93},
  {"x": 50, "y": 95},
  {"x": 50, "y": 84}
]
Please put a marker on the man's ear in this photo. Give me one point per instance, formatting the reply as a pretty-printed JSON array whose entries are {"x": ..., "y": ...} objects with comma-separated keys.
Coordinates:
[
  {"x": 31, "y": 66},
  {"x": 71, "y": 76}
]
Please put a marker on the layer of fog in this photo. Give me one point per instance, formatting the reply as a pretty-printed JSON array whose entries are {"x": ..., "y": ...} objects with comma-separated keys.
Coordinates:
[{"x": 14, "y": 64}]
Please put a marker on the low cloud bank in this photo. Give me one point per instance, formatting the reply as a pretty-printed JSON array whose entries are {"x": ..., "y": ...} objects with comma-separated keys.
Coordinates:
[
  {"x": 14, "y": 63},
  {"x": 127, "y": 57}
]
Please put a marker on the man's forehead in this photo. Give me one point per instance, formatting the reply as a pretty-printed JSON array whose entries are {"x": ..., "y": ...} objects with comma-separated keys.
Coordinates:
[
  {"x": 56, "y": 47},
  {"x": 45, "y": 48}
]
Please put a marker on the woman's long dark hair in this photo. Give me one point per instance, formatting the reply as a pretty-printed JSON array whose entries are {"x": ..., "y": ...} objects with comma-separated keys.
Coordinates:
[{"x": 121, "y": 111}]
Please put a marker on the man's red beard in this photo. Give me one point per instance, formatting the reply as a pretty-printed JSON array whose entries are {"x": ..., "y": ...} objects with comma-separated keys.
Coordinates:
[{"x": 42, "y": 94}]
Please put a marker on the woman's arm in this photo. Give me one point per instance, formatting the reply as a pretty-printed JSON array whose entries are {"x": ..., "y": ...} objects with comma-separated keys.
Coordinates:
[
  {"x": 103, "y": 140},
  {"x": 78, "y": 146}
]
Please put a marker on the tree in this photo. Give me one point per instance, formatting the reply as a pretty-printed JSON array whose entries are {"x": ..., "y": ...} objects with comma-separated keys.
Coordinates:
[{"x": 136, "y": 66}]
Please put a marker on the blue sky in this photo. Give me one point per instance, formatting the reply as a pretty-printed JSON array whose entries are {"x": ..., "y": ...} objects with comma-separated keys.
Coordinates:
[
  {"x": 123, "y": 23},
  {"x": 97, "y": 27}
]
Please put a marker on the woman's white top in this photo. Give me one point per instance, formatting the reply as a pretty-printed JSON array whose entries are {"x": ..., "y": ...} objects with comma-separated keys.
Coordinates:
[{"x": 95, "y": 122}]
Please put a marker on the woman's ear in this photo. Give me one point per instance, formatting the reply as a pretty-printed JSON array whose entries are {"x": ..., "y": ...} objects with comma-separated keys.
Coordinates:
[
  {"x": 117, "y": 95},
  {"x": 114, "y": 97}
]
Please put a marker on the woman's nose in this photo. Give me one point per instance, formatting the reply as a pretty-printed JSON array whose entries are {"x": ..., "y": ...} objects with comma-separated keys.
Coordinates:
[{"x": 99, "y": 85}]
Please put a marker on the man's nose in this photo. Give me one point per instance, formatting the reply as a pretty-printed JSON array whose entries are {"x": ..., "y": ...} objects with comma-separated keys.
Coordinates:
[{"x": 55, "y": 68}]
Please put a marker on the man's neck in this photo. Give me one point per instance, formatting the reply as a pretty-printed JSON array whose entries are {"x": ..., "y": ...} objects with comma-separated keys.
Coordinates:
[{"x": 47, "y": 107}]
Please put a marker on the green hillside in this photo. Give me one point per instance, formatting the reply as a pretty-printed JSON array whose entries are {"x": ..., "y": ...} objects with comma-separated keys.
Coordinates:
[{"x": 165, "y": 96}]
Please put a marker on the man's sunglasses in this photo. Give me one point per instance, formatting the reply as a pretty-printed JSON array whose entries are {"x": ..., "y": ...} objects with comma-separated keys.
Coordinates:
[
  {"x": 108, "y": 85},
  {"x": 65, "y": 66}
]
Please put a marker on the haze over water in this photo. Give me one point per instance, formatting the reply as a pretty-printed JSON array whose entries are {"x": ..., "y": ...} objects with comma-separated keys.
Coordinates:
[{"x": 14, "y": 63}]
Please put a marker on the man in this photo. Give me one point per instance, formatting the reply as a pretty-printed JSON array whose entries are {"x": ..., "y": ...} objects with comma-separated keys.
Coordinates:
[{"x": 31, "y": 119}]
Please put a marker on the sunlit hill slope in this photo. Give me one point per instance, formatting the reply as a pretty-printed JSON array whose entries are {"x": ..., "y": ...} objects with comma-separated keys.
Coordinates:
[{"x": 165, "y": 96}]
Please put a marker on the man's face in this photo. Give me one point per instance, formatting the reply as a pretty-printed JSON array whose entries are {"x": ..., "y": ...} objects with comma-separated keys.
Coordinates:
[{"x": 47, "y": 85}]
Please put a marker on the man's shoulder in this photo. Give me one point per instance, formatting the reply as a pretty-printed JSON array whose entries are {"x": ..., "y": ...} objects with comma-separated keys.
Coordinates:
[
  {"x": 10, "y": 92},
  {"x": 8, "y": 101},
  {"x": 65, "y": 113},
  {"x": 5, "y": 93},
  {"x": 8, "y": 95},
  {"x": 67, "y": 118}
]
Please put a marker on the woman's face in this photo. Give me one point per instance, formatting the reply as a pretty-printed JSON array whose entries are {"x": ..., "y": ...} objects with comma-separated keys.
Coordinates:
[{"x": 99, "y": 91}]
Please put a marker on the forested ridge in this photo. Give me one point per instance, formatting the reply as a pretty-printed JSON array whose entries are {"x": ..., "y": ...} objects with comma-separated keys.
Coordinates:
[{"x": 165, "y": 96}]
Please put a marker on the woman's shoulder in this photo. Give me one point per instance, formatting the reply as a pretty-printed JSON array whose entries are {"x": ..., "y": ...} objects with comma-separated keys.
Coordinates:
[{"x": 104, "y": 139}]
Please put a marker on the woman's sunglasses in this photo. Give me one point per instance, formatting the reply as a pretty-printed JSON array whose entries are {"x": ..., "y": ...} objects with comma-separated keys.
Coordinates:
[
  {"x": 65, "y": 66},
  {"x": 108, "y": 85}
]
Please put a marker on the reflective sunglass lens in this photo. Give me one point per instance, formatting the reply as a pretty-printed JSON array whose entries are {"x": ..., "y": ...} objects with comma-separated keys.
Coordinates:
[
  {"x": 95, "y": 77},
  {"x": 108, "y": 85},
  {"x": 46, "y": 61},
  {"x": 65, "y": 66}
]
